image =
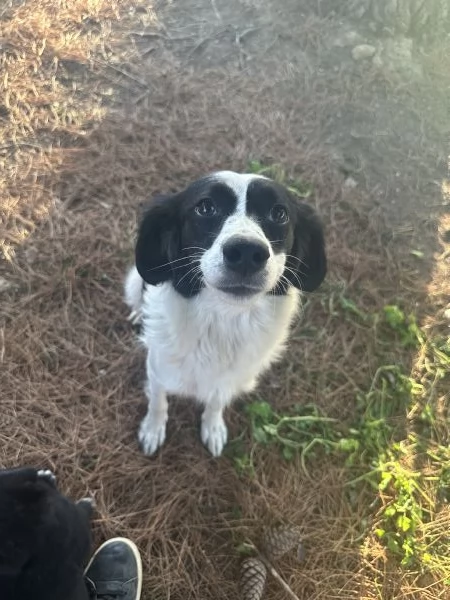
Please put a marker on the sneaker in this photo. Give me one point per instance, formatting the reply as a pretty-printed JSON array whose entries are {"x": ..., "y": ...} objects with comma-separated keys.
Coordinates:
[{"x": 115, "y": 571}]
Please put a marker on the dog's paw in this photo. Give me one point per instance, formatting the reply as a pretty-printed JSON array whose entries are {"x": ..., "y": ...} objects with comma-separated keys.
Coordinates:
[
  {"x": 214, "y": 434},
  {"x": 47, "y": 475},
  {"x": 152, "y": 434}
]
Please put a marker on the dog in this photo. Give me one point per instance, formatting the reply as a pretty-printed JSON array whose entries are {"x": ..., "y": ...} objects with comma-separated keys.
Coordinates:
[
  {"x": 219, "y": 272},
  {"x": 45, "y": 539}
]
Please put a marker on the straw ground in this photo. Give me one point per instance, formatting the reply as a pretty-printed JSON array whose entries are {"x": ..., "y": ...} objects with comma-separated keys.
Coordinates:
[{"x": 106, "y": 103}]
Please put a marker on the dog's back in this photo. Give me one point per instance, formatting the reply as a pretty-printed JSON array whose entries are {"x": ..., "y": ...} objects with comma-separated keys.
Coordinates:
[{"x": 44, "y": 539}]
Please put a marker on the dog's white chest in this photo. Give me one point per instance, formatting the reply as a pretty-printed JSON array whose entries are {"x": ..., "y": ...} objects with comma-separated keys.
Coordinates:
[{"x": 212, "y": 350}]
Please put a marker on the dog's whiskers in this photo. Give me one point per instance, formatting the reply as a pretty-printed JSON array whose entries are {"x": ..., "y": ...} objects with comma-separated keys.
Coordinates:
[
  {"x": 299, "y": 260},
  {"x": 170, "y": 262},
  {"x": 194, "y": 269},
  {"x": 194, "y": 279},
  {"x": 195, "y": 248},
  {"x": 194, "y": 258},
  {"x": 295, "y": 275}
]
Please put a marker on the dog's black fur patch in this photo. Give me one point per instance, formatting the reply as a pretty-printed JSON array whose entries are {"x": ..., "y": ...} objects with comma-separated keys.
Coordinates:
[
  {"x": 301, "y": 237},
  {"x": 45, "y": 539},
  {"x": 171, "y": 235}
]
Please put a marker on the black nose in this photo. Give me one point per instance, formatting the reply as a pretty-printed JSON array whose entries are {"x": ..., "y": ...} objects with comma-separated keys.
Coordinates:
[{"x": 244, "y": 257}]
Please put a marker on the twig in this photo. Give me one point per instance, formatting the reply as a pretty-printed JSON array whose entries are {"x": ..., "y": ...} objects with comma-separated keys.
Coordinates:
[
  {"x": 269, "y": 566},
  {"x": 122, "y": 72},
  {"x": 247, "y": 32},
  {"x": 150, "y": 34},
  {"x": 216, "y": 10},
  {"x": 278, "y": 577}
]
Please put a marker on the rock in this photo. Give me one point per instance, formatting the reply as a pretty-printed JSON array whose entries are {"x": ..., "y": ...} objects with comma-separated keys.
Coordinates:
[
  {"x": 363, "y": 51},
  {"x": 348, "y": 38},
  {"x": 350, "y": 183}
]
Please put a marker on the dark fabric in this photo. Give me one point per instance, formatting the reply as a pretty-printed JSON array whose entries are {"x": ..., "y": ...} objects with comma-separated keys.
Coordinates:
[{"x": 45, "y": 539}]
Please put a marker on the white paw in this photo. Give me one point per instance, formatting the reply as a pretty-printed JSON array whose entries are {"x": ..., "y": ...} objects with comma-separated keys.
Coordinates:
[
  {"x": 48, "y": 475},
  {"x": 214, "y": 434},
  {"x": 152, "y": 434}
]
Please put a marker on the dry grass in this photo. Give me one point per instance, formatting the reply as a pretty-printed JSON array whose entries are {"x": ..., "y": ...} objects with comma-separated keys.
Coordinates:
[{"x": 75, "y": 165}]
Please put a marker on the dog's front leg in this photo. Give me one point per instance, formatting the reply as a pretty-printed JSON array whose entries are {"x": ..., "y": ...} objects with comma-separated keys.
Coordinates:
[
  {"x": 214, "y": 432},
  {"x": 152, "y": 432}
]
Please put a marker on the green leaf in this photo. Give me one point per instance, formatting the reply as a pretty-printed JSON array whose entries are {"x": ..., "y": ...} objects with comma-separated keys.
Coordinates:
[
  {"x": 260, "y": 436},
  {"x": 270, "y": 429},
  {"x": 254, "y": 166},
  {"x": 395, "y": 317},
  {"x": 263, "y": 410},
  {"x": 390, "y": 511},
  {"x": 245, "y": 549},
  {"x": 301, "y": 189},
  {"x": 288, "y": 453},
  {"x": 386, "y": 479},
  {"x": 348, "y": 445},
  {"x": 404, "y": 523},
  {"x": 393, "y": 545},
  {"x": 351, "y": 307}
]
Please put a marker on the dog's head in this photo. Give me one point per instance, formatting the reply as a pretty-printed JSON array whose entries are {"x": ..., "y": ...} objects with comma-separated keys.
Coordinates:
[{"x": 242, "y": 235}]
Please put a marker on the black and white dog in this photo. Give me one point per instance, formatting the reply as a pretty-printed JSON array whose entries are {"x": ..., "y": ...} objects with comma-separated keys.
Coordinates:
[
  {"x": 45, "y": 539},
  {"x": 219, "y": 272}
]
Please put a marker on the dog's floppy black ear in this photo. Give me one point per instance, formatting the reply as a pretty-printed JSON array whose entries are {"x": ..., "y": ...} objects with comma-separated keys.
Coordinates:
[
  {"x": 157, "y": 241},
  {"x": 307, "y": 264}
]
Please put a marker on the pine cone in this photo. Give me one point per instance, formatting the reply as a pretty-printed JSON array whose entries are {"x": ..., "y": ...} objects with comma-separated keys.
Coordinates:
[
  {"x": 278, "y": 541},
  {"x": 253, "y": 579}
]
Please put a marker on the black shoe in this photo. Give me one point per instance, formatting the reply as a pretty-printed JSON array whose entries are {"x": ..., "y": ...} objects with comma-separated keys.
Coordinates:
[{"x": 115, "y": 571}]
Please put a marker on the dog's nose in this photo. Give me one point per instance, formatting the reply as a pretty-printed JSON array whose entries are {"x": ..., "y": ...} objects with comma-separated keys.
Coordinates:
[{"x": 245, "y": 257}]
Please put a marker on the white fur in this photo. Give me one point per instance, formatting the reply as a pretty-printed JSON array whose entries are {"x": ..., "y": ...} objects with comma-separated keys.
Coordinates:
[
  {"x": 240, "y": 224},
  {"x": 213, "y": 346},
  {"x": 210, "y": 348}
]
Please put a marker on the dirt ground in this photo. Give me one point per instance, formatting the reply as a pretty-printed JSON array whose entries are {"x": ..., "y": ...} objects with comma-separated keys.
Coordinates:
[{"x": 104, "y": 104}]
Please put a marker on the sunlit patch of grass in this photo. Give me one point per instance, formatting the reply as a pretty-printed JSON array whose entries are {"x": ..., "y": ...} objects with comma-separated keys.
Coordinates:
[
  {"x": 51, "y": 96},
  {"x": 396, "y": 449}
]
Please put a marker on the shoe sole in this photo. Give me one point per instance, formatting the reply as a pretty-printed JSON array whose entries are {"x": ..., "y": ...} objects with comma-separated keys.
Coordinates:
[{"x": 132, "y": 546}]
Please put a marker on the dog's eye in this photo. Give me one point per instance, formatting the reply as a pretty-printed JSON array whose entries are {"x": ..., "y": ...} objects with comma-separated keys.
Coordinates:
[
  {"x": 279, "y": 214},
  {"x": 206, "y": 208}
]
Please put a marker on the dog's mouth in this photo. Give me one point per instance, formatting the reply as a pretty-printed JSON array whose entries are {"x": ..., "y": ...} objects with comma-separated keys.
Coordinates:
[{"x": 240, "y": 290}]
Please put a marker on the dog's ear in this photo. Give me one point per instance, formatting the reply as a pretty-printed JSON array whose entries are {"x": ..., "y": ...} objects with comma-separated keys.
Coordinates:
[
  {"x": 307, "y": 263},
  {"x": 157, "y": 240}
]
